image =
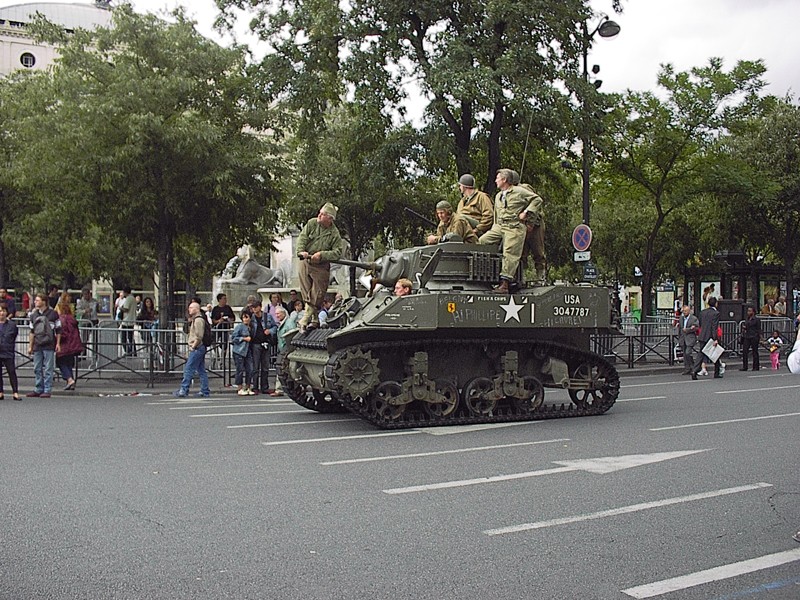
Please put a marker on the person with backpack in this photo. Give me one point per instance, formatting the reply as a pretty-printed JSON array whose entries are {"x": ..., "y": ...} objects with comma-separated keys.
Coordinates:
[
  {"x": 199, "y": 340},
  {"x": 45, "y": 341}
]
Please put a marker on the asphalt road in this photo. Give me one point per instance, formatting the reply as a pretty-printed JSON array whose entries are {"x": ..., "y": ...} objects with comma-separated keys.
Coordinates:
[{"x": 149, "y": 497}]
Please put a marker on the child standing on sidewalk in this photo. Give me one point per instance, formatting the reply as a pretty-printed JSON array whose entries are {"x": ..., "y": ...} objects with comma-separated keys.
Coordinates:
[
  {"x": 775, "y": 344},
  {"x": 243, "y": 355}
]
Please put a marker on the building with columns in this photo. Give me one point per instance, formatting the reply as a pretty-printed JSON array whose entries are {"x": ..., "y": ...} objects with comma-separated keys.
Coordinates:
[{"x": 18, "y": 50}]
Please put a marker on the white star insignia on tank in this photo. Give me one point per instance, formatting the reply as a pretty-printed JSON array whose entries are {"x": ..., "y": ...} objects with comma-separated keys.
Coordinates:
[{"x": 512, "y": 309}]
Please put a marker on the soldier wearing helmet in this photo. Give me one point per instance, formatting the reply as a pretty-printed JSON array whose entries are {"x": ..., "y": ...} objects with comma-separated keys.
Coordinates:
[
  {"x": 451, "y": 223},
  {"x": 475, "y": 204}
]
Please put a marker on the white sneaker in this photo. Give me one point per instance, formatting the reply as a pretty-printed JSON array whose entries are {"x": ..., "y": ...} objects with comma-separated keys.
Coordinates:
[
  {"x": 242, "y": 392},
  {"x": 703, "y": 372},
  {"x": 250, "y": 392}
]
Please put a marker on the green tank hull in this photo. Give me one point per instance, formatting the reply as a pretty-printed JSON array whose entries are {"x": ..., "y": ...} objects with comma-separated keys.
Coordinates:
[{"x": 454, "y": 351}]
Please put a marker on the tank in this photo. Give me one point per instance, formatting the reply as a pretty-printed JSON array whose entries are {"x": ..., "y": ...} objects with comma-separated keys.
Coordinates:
[{"x": 453, "y": 352}]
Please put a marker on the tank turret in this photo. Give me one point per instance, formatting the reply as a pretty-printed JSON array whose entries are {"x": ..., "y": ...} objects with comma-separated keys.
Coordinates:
[{"x": 454, "y": 351}]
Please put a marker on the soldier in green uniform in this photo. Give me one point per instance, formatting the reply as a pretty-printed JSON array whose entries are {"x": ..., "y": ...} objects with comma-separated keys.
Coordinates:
[
  {"x": 512, "y": 206},
  {"x": 318, "y": 243},
  {"x": 450, "y": 222},
  {"x": 475, "y": 204},
  {"x": 534, "y": 240}
]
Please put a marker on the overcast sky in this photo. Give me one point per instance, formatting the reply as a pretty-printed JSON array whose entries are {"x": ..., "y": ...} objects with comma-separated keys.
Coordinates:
[{"x": 685, "y": 33}]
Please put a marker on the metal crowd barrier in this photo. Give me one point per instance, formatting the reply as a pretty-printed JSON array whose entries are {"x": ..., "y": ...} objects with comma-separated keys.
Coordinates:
[
  {"x": 158, "y": 355},
  {"x": 654, "y": 341}
]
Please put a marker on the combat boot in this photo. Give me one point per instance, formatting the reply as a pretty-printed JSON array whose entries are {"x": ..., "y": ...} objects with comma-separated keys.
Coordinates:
[
  {"x": 503, "y": 287},
  {"x": 541, "y": 277},
  {"x": 314, "y": 318}
]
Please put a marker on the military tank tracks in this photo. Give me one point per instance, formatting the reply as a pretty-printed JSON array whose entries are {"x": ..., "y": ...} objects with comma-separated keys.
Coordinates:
[{"x": 390, "y": 385}]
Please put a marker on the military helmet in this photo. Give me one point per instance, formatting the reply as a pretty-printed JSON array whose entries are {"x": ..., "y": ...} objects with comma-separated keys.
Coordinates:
[
  {"x": 444, "y": 205},
  {"x": 467, "y": 180}
]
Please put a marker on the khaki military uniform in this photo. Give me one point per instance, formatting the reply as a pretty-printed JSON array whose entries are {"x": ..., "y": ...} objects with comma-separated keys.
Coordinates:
[
  {"x": 315, "y": 277},
  {"x": 508, "y": 228},
  {"x": 479, "y": 207},
  {"x": 460, "y": 226}
]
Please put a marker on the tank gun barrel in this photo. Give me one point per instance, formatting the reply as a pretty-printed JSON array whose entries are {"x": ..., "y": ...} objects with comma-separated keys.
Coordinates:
[{"x": 352, "y": 263}]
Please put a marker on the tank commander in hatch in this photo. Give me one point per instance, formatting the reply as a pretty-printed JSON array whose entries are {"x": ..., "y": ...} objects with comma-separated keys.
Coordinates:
[
  {"x": 318, "y": 243},
  {"x": 475, "y": 205},
  {"x": 403, "y": 287},
  {"x": 513, "y": 204},
  {"x": 450, "y": 222}
]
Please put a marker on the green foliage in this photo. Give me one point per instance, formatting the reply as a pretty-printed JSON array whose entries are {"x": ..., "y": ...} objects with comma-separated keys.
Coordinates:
[
  {"x": 143, "y": 146},
  {"x": 656, "y": 155},
  {"x": 482, "y": 65}
]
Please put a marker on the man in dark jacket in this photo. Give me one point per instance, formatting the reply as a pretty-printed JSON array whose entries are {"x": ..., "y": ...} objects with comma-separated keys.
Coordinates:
[
  {"x": 265, "y": 335},
  {"x": 709, "y": 330},
  {"x": 751, "y": 336}
]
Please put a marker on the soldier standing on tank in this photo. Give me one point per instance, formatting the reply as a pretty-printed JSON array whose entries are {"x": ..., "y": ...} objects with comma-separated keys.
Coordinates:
[
  {"x": 319, "y": 242},
  {"x": 450, "y": 222},
  {"x": 475, "y": 204},
  {"x": 512, "y": 206},
  {"x": 534, "y": 237}
]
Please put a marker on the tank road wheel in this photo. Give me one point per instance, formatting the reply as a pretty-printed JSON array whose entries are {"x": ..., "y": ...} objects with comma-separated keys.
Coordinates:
[
  {"x": 478, "y": 396},
  {"x": 312, "y": 399},
  {"x": 535, "y": 395},
  {"x": 358, "y": 372},
  {"x": 598, "y": 397},
  {"x": 381, "y": 408},
  {"x": 326, "y": 402},
  {"x": 449, "y": 390}
]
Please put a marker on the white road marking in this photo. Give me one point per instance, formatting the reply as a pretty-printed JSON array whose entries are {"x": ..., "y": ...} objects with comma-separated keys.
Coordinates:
[
  {"x": 662, "y": 383},
  {"x": 592, "y": 465},
  {"x": 243, "y": 414},
  {"x": 289, "y": 423},
  {"x": 466, "y": 482},
  {"x": 764, "y": 389},
  {"x": 451, "y": 429},
  {"x": 637, "y": 399},
  {"x": 725, "y": 422},
  {"x": 438, "y": 453},
  {"x": 716, "y": 574},
  {"x": 261, "y": 404},
  {"x": 340, "y": 438},
  {"x": 624, "y": 509}
]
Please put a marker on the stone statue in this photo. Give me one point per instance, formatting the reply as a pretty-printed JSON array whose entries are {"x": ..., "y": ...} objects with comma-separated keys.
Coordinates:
[{"x": 251, "y": 273}]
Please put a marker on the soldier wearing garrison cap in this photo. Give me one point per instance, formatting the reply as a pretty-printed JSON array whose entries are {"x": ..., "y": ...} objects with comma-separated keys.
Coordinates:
[
  {"x": 318, "y": 243},
  {"x": 514, "y": 205},
  {"x": 475, "y": 205},
  {"x": 450, "y": 222}
]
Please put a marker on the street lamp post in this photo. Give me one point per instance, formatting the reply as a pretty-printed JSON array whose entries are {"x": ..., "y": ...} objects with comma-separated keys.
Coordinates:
[{"x": 605, "y": 29}]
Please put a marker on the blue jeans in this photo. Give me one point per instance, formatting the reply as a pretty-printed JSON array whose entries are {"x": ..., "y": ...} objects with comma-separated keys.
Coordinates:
[
  {"x": 44, "y": 365},
  {"x": 195, "y": 362},
  {"x": 244, "y": 368}
]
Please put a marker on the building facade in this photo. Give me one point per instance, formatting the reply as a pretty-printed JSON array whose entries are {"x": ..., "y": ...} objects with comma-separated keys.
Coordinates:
[{"x": 18, "y": 50}]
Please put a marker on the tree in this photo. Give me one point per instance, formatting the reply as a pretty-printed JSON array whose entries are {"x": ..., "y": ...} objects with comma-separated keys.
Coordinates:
[
  {"x": 358, "y": 162},
  {"x": 481, "y": 65},
  {"x": 655, "y": 151},
  {"x": 152, "y": 130},
  {"x": 759, "y": 187}
]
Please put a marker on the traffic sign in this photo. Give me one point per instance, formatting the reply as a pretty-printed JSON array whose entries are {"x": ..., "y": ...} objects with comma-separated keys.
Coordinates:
[
  {"x": 581, "y": 237},
  {"x": 582, "y": 256},
  {"x": 589, "y": 271}
]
